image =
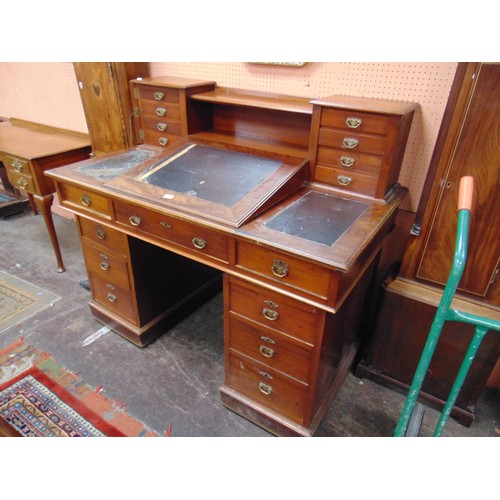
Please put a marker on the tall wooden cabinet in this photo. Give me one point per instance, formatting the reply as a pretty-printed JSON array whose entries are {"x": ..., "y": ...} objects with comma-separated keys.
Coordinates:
[
  {"x": 105, "y": 94},
  {"x": 468, "y": 144}
]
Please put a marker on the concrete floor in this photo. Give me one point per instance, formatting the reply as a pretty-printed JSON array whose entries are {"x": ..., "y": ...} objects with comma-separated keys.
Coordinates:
[{"x": 175, "y": 380}]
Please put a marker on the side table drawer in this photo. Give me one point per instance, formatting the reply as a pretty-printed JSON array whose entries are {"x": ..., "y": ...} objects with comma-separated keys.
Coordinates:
[
  {"x": 266, "y": 386},
  {"x": 17, "y": 165},
  {"x": 113, "y": 298},
  {"x": 21, "y": 181},
  {"x": 269, "y": 347},
  {"x": 287, "y": 270}
]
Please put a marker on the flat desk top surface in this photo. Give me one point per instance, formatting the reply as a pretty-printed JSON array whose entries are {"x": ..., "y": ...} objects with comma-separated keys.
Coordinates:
[
  {"x": 332, "y": 228},
  {"x": 29, "y": 140}
]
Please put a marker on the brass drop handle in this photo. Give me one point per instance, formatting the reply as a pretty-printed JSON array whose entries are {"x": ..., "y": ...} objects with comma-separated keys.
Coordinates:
[
  {"x": 353, "y": 122},
  {"x": 161, "y": 126},
  {"x": 104, "y": 265},
  {"x": 266, "y": 351},
  {"x": 265, "y": 389},
  {"x": 350, "y": 142},
  {"x": 347, "y": 161},
  {"x": 343, "y": 180},
  {"x": 17, "y": 165},
  {"x": 163, "y": 141},
  {"x": 111, "y": 297},
  {"x": 135, "y": 220},
  {"x": 100, "y": 232},
  {"x": 199, "y": 243},
  {"x": 22, "y": 183},
  {"x": 270, "y": 314},
  {"x": 159, "y": 96},
  {"x": 161, "y": 111},
  {"x": 279, "y": 268},
  {"x": 86, "y": 199}
]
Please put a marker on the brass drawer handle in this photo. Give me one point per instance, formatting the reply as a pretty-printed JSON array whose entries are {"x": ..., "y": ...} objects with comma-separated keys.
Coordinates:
[
  {"x": 161, "y": 111},
  {"x": 265, "y": 389},
  {"x": 270, "y": 314},
  {"x": 111, "y": 297},
  {"x": 104, "y": 266},
  {"x": 266, "y": 351},
  {"x": 134, "y": 220},
  {"x": 347, "y": 161},
  {"x": 350, "y": 142},
  {"x": 158, "y": 96},
  {"x": 163, "y": 141},
  {"x": 17, "y": 165},
  {"x": 343, "y": 180},
  {"x": 279, "y": 268},
  {"x": 353, "y": 122},
  {"x": 22, "y": 183},
  {"x": 268, "y": 340},
  {"x": 86, "y": 199},
  {"x": 199, "y": 243},
  {"x": 100, "y": 232},
  {"x": 161, "y": 127}
]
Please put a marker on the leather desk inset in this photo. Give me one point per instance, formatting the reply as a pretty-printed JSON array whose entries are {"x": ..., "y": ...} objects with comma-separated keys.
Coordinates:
[{"x": 157, "y": 242}]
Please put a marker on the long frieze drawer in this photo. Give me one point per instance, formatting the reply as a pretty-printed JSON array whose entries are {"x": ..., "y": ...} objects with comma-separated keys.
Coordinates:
[
  {"x": 353, "y": 120},
  {"x": 103, "y": 235},
  {"x": 354, "y": 141},
  {"x": 351, "y": 181},
  {"x": 161, "y": 139},
  {"x": 21, "y": 181},
  {"x": 350, "y": 161},
  {"x": 156, "y": 124},
  {"x": 276, "y": 311},
  {"x": 158, "y": 94},
  {"x": 106, "y": 265},
  {"x": 169, "y": 112},
  {"x": 267, "y": 387},
  {"x": 17, "y": 165},
  {"x": 85, "y": 200},
  {"x": 194, "y": 237},
  {"x": 284, "y": 269},
  {"x": 269, "y": 347},
  {"x": 113, "y": 298}
]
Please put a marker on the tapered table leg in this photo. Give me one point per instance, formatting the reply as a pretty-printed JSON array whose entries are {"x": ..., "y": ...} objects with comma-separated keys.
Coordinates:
[{"x": 44, "y": 204}]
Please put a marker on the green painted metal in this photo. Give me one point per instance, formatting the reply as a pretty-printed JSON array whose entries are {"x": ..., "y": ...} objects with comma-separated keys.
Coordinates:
[{"x": 445, "y": 313}]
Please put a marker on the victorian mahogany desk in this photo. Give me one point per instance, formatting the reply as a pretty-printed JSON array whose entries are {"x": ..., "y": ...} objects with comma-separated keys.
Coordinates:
[
  {"x": 285, "y": 201},
  {"x": 29, "y": 149}
]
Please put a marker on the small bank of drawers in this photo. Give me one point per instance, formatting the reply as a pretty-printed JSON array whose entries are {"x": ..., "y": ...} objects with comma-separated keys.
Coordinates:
[
  {"x": 158, "y": 110},
  {"x": 20, "y": 174},
  {"x": 106, "y": 258},
  {"x": 271, "y": 342}
]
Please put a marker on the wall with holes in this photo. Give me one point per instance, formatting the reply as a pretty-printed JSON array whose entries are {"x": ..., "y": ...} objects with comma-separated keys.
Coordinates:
[{"x": 48, "y": 93}]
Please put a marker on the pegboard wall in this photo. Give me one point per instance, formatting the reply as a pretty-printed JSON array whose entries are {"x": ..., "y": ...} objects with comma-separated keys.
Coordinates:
[
  {"x": 426, "y": 83},
  {"x": 48, "y": 93}
]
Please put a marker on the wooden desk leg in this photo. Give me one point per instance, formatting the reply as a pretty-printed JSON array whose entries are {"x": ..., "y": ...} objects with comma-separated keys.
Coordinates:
[
  {"x": 32, "y": 204},
  {"x": 44, "y": 203}
]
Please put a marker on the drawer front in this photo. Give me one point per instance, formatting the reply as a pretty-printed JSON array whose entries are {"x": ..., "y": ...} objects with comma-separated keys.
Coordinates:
[
  {"x": 354, "y": 141},
  {"x": 350, "y": 181},
  {"x": 159, "y": 126},
  {"x": 267, "y": 387},
  {"x": 161, "y": 139},
  {"x": 17, "y": 165},
  {"x": 105, "y": 236},
  {"x": 158, "y": 94},
  {"x": 113, "y": 298},
  {"x": 349, "y": 161},
  {"x": 276, "y": 311},
  {"x": 269, "y": 347},
  {"x": 197, "y": 239},
  {"x": 21, "y": 181},
  {"x": 355, "y": 121},
  {"x": 165, "y": 111},
  {"x": 107, "y": 265},
  {"x": 84, "y": 200},
  {"x": 288, "y": 271}
]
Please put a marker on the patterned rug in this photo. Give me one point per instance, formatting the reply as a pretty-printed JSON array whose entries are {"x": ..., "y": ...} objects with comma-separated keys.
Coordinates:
[
  {"x": 39, "y": 397},
  {"x": 20, "y": 300}
]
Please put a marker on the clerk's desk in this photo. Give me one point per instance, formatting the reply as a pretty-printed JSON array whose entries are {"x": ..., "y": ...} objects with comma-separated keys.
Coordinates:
[
  {"x": 296, "y": 260},
  {"x": 27, "y": 151}
]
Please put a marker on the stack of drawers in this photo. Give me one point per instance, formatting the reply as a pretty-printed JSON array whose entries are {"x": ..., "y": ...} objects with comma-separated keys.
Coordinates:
[
  {"x": 271, "y": 342},
  {"x": 20, "y": 173},
  {"x": 358, "y": 143}
]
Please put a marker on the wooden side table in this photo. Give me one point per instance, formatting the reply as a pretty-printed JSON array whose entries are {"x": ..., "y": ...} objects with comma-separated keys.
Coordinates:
[{"x": 27, "y": 150}]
